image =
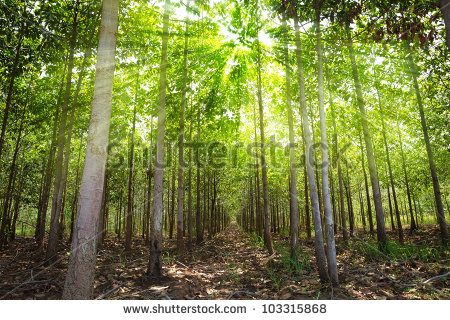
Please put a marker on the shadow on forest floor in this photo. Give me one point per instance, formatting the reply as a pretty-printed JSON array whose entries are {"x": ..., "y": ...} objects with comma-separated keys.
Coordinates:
[{"x": 234, "y": 265}]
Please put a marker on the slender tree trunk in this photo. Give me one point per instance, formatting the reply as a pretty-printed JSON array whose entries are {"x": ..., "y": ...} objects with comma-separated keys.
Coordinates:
[
  {"x": 190, "y": 191},
  {"x": 80, "y": 273},
  {"x": 20, "y": 184},
  {"x": 267, "y": 235},
  {"x": 198, "y": 222},
  {"x": 381, "y": 232},
  {"x": 75, "y": 195},
  {"x": 149, "y": 186},
  {"x": 172, "y": 205},
  {"x": 361, "y": 210},
  {"x": 434, "y": 177},
  {"x": 413, "y": 225},
  {"x": 319, "y": 246},
  {"x": 338, "y": 161},
  {"x": 328, "y": 213},
  {"x": 257, "y": 200},
  {"x": 213, "y": 205},
  {"x": 181, "y": 135},
  {"x": 391, "y": 176},
  {"x": 129, "y": 220},
  {"x": 55, "y": 227},
  {"x": 351, "y": 217},
  {"x": 155, "y": 260},
  {"x": 390, "y": 208},
  {"x": 366, "y": 186},
  {"x": 251, "y": 208}
]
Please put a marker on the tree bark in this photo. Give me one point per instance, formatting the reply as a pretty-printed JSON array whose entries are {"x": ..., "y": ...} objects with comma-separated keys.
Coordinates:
[
  {"x": 155, "y": 260},
  {"x": 81, "y": 269}
]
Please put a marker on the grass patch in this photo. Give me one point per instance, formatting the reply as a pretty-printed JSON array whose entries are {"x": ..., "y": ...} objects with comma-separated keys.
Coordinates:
[{"x": 256, "y": 240}]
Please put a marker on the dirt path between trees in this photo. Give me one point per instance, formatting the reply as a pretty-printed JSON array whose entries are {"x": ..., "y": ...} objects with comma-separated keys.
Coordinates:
[{"x": 233, "y": 265}]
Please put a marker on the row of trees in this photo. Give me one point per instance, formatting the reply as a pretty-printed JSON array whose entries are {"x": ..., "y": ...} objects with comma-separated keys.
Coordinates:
[{"x": 192, "y": 132}]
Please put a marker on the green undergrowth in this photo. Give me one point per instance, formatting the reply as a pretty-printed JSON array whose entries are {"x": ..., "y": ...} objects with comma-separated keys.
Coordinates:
[
  {"x": 424, "y": 253},
  {"x": 256, "y": 240}
]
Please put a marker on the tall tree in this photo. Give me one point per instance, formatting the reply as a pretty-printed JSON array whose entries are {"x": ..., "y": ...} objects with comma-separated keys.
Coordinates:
[
  {"x": 267, "y": 235},
  {"x": 437, "y": 191},
  {"x": 329, "y": 224},
  {"x": 81, "y": 268},
  {"x": 381, "y": 232},
  {"x": 129, "y": 220},
  {"x": 181, "y": 164},
  {"x": 318, "y": 237},
  {"x": 155, "y": 259},
  {"x": 391, "y": 176}
]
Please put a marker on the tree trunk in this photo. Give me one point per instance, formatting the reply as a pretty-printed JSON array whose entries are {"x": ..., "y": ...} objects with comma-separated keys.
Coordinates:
[
  {"x": 267, "y": 235},
  {"x": 351, "y": 217},
  {"x": 338, "y": 162},
  {"x": 20, "y": 184},
  {"x": 366, "y": 186},
  {"x": 172, "y": 202},
  {"x": 328, "y": 213},
  {"x": 55, "y": 228},
  {"x": 129, "y": 220},
  {"x": 319, "y": 247},
  {"x": 81, "y": 268},
  {"x": 190, "y": 191},
  {"x": 198, "y": 222},
  {"x": 413, "y": 225},
  {"x": 434, "y": 177},
  {"x": 155, "y": 260},
  {"x": 181, "y": 135},
  {"x": 75, "y": 196},
  {"x": 149, "y": 186},
  {"x": 390, "y": 208},
  {"x": 391, "y": 177},
  {"x": 381, "y": 232}
]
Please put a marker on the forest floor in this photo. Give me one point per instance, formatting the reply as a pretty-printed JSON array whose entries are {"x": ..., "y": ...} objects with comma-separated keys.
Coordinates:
[{"x": 234, "y": 265}]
